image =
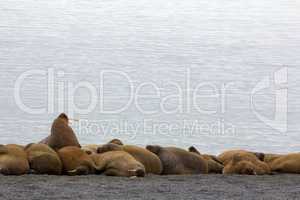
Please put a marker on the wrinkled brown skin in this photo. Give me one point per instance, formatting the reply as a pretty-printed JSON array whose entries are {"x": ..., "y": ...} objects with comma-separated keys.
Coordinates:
[
  {"x": 244, "y": 162},
  {"x": 179, "y": 161},
  {"x": 43, "y": 160},
  {"x": 289, "y": 163},
  {"x": 214, "y": 165},
  {"x": 61, "y": 135},
  {"x": 76, "y": 161},
  {"x": 151, "y": 161},
  {"x": 16, "y": 145},
  {"x": 118, "y": 163},
  {"x": 13, "y": 160},
  {"x": 240, "y": 167},
  {"x": 227, "y": 156}
]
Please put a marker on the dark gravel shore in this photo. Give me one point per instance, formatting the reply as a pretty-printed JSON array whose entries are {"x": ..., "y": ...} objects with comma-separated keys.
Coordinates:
[{"x": 34, "y": 187}]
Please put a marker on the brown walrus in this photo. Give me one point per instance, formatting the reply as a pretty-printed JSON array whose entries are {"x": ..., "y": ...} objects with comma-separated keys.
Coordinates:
[
  {"x": 227, "y": 156},
  {"x": 13, "y": 160},
  {"x": 43, "y": 160},
  {"x": 118, "y": 163},
  {"x": 179, "y": 161},
  {"x": 214, "y": 165},
  {"x": 151, "y": 161},
  {"x": 243, "y": 162},
  {"x": 76, "y": 161},
  {"x": 289, "y": 163},
  {"x": 62, "y": 134}
]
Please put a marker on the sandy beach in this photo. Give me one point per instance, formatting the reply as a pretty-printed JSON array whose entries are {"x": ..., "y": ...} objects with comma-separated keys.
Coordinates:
[{"x": 37, "y": 187}]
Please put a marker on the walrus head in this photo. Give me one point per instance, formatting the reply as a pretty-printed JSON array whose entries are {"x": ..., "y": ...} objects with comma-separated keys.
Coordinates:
[
  {"x": 116, "y": 141},
  {"x": 88, "y": 152},
  {"x": 137, "y": 172},
  {"x": 260, "y": 156},
  {"x": 109, "y": 147},
  {"x": 194, "y": 150},
  {"x": 64, "y": 117},
  {"x": 239, "y": 166},
  {"x": 80, "y": 170},
  {"x": 154, "y": 148}
]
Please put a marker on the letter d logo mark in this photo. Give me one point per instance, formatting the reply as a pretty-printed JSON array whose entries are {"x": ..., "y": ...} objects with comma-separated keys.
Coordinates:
[{"x": 280, "y": 84}]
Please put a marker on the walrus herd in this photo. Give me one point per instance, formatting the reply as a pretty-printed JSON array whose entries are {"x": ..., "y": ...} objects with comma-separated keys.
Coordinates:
[{"x": 61, "y": 154}]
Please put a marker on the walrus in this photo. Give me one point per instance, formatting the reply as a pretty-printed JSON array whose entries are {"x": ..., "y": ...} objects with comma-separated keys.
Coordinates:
[
  {"x": 118, "y": 163},
  {"x": 179, "y": 161},
  {"x": 239, "y": 166},
  {"x": 61, "y": 135},
  {"x": 227, "y": 156},
  {"x": 214, "y": 165},
  {"x": 243, "y": 162},
  {"x": 289, "y": 163},
  {"x": 13, "y": 160},
  {"x": 43, "y": 160},
  {"x": 150, "y": 161},
  {"x": 76, "y": 161}
]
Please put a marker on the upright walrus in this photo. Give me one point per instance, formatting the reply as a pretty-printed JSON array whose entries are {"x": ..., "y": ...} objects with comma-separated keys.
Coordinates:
[
  {"x": 151, "y": 161},
  {"x": 43, "y": 160},
  {"x": 62, "y": 134},
  {"x": 13, "y": 160},
  {"x": 179, "y": 161}
]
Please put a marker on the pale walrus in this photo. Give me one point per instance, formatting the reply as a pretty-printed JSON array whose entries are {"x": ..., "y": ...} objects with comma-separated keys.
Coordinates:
[
  {"x": 151, "y": 161},
  {"x": 214, "y": 165},
  {"x": 243, "y": 162},
  {"x": 118, "y": 163},
  {"x": 289, "y": 163},
  {"x": 13, "y": 160},
  {"x": 62, "y": 134},
  {"x": 43, "y": 160},
  {"x": 227, "y": 156},
  {"x": 76, "y": 161},
  {"x": 179, "y": 161}
]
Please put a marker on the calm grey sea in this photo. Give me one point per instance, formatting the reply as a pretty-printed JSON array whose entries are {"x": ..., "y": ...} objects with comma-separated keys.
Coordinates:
[{"x": 215, "y": 74}]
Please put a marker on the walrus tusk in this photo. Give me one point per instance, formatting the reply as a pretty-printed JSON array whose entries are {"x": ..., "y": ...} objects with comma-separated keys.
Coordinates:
[
  {"x": 72, "y": 172},
  {"x": 132, "y": 173}
]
